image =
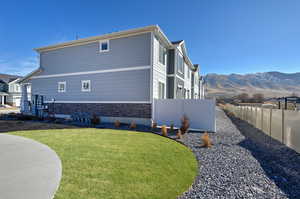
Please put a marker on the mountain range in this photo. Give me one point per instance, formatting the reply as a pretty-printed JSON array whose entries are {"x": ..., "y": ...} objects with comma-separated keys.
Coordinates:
[{"x": 271, "y": 84}]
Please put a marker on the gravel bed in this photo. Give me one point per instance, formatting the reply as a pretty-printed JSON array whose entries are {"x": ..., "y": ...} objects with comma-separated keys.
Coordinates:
[{"x": 240, "y": 165}]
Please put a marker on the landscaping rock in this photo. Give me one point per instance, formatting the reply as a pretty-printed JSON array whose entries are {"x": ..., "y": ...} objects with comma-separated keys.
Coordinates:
[{"x": 240, "y": 166}]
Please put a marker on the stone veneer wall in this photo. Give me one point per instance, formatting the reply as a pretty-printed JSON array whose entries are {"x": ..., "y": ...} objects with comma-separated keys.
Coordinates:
[{"x": 105, "y": 110}]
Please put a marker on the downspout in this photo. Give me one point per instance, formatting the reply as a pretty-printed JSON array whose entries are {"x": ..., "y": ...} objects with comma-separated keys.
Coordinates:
[{"x": 151, "y": 78}]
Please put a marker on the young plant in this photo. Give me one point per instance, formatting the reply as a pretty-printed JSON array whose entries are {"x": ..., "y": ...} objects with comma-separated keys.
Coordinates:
[
  {"x": 172, "y": 128},
  {"x": 179, "y": 134},
  {"x": 206, "y": 140},
  {"x": 185, "y": 124},
  {"x": 164, "y": 131},
  {"x": 132, "y": 125},
  {"x": 117, "y": 124},
  {"x": 154, "y": 126},
  {"x": 95, "y": 120}
]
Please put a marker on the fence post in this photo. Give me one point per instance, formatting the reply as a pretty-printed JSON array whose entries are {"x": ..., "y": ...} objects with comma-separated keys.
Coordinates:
[
  {"x": 262, "y": 120},
  {"x": 282, "y": 122},
  {"x": 255, "y": 117},
  {"x": 270, "y": 129}
]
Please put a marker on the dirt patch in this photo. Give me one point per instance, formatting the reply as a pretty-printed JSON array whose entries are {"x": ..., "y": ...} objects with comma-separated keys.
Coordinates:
[{"x": 7, "y": 126}]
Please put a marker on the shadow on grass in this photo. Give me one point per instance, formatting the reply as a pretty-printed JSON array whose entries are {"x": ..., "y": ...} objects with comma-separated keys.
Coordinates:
[
  {"x": 280, "y": 163},
  {"x": 17, "y": 125}
]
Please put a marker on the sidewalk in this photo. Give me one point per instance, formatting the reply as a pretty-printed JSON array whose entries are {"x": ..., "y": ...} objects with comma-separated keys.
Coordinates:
[{"x": 28, "y": 169}]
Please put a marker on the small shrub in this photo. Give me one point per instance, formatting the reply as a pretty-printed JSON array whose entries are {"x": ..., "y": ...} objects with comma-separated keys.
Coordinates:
[
  {"x": 206, "y": 140},
  {"x": 231, "y": 114},
  {"x": 179, "y": 134},
  {"x": 117, "y": 124},
  {"x": 172, "y": 127},
  {"x": 185, "y": 124},
  {"x": 154, "y": 126},
  {"x": 164, "y": 131},
  {"x": 132, "y": 125},
  {"x": 95, "y": 120}
]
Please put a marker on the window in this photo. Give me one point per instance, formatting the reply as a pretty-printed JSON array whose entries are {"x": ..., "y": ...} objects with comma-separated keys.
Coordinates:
[
  {"x": 179, "y": 92},
  {"x": 17, "y": 88},
  {"x": 104, "y": 46},
  {"x": 196, "y": 80},
  {"x": 180, "y": 64},
  {"x": 162, "y": 54},
  {"x": 61, "y": 87},
  {"x": 188, "y": 72},
  {"x": 161, "y": 90},
  {"x": 86, "y": 85}
]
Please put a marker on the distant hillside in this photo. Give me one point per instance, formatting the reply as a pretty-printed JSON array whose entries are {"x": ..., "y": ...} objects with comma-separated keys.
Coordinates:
[{"x": 271, "y": 84}]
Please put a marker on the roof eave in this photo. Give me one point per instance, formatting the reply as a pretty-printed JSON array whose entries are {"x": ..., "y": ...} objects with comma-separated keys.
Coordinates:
[
  {"x": 98, "y": 38},
  {"x": 27, "y": 77}
]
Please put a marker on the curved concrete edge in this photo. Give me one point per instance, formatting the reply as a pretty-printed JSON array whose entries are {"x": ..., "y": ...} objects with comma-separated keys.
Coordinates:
[{"x": 28, "y": 169}]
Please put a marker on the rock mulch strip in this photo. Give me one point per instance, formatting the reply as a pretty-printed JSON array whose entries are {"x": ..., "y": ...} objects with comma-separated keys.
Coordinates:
[{"x": 240, "y": 165}]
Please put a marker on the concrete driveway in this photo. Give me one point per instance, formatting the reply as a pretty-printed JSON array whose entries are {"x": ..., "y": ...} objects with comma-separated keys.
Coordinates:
[{"x": 28, "y": 169}]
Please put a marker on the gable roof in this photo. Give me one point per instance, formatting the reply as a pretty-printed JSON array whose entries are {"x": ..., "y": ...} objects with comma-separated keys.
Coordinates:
[
  {"x": 177, "y": 42},
  {"x": 8, "y": 78},
  {"x": 153, "y": 28},
  {"x": 181, "y": 44},
  {"x": 24, "y": 79}
]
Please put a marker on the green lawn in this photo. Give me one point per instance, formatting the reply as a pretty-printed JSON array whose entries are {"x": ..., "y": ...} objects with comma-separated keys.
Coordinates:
[{"x": 105, "y": 163}]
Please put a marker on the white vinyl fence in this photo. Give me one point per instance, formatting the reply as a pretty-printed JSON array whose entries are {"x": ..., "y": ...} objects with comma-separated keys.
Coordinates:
[
  {"x": 282, "y": 125},
  {"x": 201, "y": 113}
]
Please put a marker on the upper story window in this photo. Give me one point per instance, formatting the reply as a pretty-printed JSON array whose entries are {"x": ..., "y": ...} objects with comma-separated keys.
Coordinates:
[
  {"x": 162, "y": 54},
  {"x": 17, "y": 88},
  {"x": 61, "y": 87},
  {"x": 196, "y": 79},
  {"x": 180, "y": 64},
  {"x": 86, "y": 85},
  {"x": 104, "y": 46}
]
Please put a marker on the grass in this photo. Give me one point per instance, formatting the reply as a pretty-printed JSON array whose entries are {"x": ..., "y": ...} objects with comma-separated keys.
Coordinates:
[{"x": 105, "y": 163}]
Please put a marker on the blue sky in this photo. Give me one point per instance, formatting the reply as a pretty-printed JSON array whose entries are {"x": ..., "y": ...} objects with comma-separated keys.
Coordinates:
[{"x": 223, "y": 36}]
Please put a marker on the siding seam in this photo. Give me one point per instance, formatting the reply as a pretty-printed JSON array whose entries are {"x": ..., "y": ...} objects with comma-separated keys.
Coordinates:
[
  {"x": 103, "y": 102},
  {"x": 93, "y": 72}
]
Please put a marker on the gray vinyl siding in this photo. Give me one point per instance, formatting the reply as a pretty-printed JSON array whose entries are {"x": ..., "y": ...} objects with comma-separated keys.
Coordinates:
[
  {"x": 116, "y": 86},
  {"x": 123, "y": 52},
  {"x": 171, "y": 62}
]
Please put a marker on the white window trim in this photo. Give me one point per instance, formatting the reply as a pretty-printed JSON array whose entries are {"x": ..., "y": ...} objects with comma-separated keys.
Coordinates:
[
  {"x": 65, "y": 87},
  {"x": 179, "y": 71},
  {"x": 85, "y": 81},
  {"x": 164, "y": 54},
  {"x": 100, "y": 45},
  {"x": 164, "y": 96}
]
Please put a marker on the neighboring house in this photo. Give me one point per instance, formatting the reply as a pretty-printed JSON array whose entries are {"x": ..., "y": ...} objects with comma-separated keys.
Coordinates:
[
  {"x": 10, "y": 90},
  {"x": 15, "y": 93},
  {"x": 116, "y": 75}
]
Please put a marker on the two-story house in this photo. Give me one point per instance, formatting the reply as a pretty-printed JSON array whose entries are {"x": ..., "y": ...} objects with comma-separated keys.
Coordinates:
[
  {"x": 116, "y": 75},
  {"x": 10, "y": 90},
  {"x": 15, "y": 93}
]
